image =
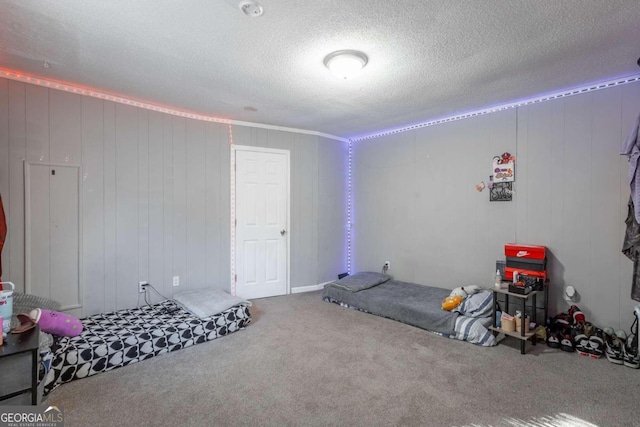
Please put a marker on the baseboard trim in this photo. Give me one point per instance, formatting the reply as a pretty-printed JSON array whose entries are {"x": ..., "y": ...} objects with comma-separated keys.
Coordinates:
[{"x": 309, "y": 288}]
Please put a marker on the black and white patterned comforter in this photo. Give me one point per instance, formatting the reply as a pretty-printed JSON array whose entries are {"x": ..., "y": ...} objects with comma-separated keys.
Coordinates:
[{"x": 116, "y": 339}]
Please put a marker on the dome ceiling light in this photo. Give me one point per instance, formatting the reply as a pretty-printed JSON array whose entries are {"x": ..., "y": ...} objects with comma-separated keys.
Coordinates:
[{"x": 344, "y": 64}]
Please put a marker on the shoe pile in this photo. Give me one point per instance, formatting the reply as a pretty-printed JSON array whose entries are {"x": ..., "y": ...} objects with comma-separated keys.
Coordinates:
[
  {"x": 622, "y": 349},
  {"x": 570, "y": 332},
  {"x": 560, "y": 331}
]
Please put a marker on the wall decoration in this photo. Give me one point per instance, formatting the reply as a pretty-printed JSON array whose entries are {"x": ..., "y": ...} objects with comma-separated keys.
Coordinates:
[
  {"x": 480, "y": 186},
  {"x": 504, "y": 168},
  {"x": 501, "y": 192}
]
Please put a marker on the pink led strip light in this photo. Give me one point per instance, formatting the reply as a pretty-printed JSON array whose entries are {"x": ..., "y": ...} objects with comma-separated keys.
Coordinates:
[{"x": 22, "y": 77}]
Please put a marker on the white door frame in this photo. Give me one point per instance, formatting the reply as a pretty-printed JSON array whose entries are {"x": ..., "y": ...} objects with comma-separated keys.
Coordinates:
[
  {"x": 27, "y": 229},
  {"x": 234, "y": 149}
]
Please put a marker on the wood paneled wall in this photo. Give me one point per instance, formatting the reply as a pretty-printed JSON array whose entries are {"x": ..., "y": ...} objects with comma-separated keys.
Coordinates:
[
  {"x": 155, "y": 193},
  {"x": 416, "y": 204}
]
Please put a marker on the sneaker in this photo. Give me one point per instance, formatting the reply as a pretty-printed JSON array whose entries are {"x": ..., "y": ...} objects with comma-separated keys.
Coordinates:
[
  {"x": 630, "y": 350},
  {"x": 596, "y": 344},
  {"x": 567, "y": 343},
  {"x": 561, "y": 321},
  {"x": 553, "y": 338},
  {"x": 630, "y": 353},
  {"x": 614, "y": 346},
  {"x": 589, "y": 328},
  {"x": 576, "y": 314},
  {"x": 581, "y": 340}
]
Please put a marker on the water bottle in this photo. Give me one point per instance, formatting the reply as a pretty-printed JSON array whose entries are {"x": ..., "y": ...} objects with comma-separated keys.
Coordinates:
[{"x": 498, "y": 279}]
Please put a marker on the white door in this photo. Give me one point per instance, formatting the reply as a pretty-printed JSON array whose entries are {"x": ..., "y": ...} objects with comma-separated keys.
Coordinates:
[
  {"x": 52, "y": 234},
  {"x": 262, "y": 218}
]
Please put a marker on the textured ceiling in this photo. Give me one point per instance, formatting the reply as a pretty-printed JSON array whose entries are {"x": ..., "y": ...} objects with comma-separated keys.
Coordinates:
[{"x": 427, "y": 59}]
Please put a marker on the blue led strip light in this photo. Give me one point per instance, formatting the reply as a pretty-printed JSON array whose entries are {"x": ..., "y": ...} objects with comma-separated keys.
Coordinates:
[
  {"x": 503, "y": 107},
  {"x": 349, "y": 212},
  {"x": 556, "y": 95}
]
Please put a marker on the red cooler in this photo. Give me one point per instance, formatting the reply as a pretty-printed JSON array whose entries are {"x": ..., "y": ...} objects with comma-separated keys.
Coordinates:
[{"x": 530, "y": 260}]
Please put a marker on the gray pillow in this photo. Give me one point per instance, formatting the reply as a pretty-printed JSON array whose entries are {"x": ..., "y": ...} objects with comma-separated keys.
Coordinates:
[{"x": 361, "y": 281}]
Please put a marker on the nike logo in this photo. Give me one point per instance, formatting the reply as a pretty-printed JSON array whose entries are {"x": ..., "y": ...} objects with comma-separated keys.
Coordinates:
[{"x": 522, "y": 253}]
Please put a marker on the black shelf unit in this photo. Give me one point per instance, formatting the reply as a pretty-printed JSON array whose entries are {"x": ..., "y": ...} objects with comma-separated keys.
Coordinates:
[{"x": 530, "y": 309}]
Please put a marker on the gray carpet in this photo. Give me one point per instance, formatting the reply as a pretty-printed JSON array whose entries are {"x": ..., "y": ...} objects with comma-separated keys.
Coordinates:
[{"x": 307, "y": 362}]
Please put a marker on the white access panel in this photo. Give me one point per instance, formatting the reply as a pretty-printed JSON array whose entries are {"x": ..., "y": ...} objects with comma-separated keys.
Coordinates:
[{"x": 52, "y": 233}]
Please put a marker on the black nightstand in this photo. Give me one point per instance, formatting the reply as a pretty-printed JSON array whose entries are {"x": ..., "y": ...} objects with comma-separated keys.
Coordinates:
[{"x": 19, "y": 368}]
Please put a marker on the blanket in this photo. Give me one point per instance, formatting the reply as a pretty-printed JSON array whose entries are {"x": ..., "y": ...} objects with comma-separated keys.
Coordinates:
[{"x": 410, "y": 303}]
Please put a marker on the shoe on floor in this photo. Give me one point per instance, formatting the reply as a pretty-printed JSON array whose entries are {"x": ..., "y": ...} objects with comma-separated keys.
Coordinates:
[
  {"x": 589, "y": 328},
  {"x": 553, "y": 338},
  {"x": 582, "y": 344},
  {"x": 630, "y": 353},
  {"x": 630, "y": 349},
  {"x": 577, "y": 315},
  {"x": 566, "y": 341},
  {"x": 614, "y": 346},
  {"x": 596, "y": 343}
]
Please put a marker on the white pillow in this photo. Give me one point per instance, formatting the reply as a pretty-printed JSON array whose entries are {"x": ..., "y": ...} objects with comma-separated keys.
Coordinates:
[{"x": 207, "y": 302}]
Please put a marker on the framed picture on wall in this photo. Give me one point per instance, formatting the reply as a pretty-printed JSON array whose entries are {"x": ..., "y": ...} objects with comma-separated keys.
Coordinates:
[
  {"x": 501, "y": 192},
  {"x": 503, "y": 172}
]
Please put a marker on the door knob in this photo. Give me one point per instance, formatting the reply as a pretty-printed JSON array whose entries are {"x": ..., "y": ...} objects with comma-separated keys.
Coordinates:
[{"x": 282, "y": 232}]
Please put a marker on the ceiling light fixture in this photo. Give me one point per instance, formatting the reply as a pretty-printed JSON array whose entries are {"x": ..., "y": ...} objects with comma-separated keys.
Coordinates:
[{"x": 345, "y": 63}]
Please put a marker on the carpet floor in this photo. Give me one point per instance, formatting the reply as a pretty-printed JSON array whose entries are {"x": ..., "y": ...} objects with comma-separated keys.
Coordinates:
[{"x": 303, "y": 361}]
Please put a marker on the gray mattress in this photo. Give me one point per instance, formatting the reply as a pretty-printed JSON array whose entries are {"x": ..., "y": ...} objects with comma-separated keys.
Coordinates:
[{"x": 409, "y": 303}]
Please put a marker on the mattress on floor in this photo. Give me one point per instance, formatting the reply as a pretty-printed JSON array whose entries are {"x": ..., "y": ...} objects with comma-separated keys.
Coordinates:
[
  {"x": 116, "y": 339},
  {"x": 416, "y": 305}
]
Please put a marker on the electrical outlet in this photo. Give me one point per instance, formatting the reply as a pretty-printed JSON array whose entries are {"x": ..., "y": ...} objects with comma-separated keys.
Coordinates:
[
  {"x": 387, "y": 265},
  {"x": 176, "y": 280},
  {"x": 142, "y": 286}
]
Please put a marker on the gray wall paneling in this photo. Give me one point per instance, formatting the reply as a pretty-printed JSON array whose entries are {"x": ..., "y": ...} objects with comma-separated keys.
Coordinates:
[
  {"x": 93, "y": 217},
  {"x": 65, "y": 130},
  {"x": 110, "y": 222},
  {"x": 156, "y": 177},
  {"x": 179, "y": 243},
  {"x": 217, "y": 202},
  {"x": 126, "y": 161},
  {"x": 606, "y": 133},
  {"x": 37, "y": 150},
  {"x": 571, "y": 195},
  {"x": 155, "y": 191},
  {"x": 14, "y": 204},
  {"x": 196, "y": 270},
  {"x": 167, "y": 202},
  {"x": 332, "y": 202},
  {"x": 143, "y": 196},
  {"x": 37, "y": 124}
]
